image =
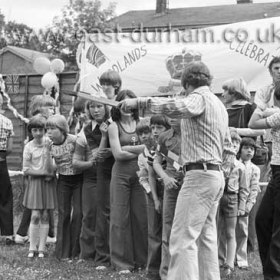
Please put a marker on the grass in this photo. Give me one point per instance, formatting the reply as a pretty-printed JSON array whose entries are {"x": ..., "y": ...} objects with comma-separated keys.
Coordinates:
[{"x": 14, "y": 264}]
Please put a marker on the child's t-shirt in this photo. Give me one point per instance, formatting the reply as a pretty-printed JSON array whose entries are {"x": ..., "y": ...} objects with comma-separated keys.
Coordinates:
[
  {"x": 63, "y": 155},
  {"x": 35, "y": 156}
]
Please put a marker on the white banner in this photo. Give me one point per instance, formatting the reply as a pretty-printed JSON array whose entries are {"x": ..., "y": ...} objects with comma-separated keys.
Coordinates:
[{"x": 151, "y": 63}]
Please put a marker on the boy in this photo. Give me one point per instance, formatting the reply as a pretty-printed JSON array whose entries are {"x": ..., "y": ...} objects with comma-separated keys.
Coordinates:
[
  {"x": 148, "y": 134},
  {"x": 169, "y": 149},
  {"x": 246, "y": 151},
  {"x": 232, "y": 204}
]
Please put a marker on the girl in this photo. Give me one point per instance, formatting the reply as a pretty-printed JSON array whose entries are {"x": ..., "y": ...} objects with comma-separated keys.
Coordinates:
[
  {"x": 111, "y": 83},
  {"x": 68, "y": 188},
  {"x": 85, "y": 159},
  {"x": 128, "y": 223},
  {"x": 40, "y": 193}
]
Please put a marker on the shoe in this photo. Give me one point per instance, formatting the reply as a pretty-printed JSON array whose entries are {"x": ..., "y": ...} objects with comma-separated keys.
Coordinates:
[
  {"x": 21, "y": 239},
  {"x": 30, "y": 254},
  {"x": 41, "y": 255},
  {"x": 125, "y": 271},
  {"x": 9, "y": 241},
  {"x": 227, "y": 271},
  {"x": 244, "y": 267},
  {"x": 51, "y": 240},
  {"x": 101, "y": 267}
]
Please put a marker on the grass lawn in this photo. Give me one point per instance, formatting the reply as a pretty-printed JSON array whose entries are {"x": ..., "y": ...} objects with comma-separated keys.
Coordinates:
[{"x": 14, "y": 265}]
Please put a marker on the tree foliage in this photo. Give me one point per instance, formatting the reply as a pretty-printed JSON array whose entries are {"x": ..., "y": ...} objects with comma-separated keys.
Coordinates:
[{"x": 62, "y": 38}]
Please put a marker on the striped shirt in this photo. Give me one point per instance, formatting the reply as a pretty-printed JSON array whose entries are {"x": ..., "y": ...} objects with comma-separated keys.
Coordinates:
[
  {"x": 6, "y": 131},
  {"x": 274, "y": 122},
  {"x": 204, "y": 125}
]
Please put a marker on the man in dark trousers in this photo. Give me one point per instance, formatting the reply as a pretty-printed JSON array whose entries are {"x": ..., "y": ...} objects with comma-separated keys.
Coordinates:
[{"x": 6, "y": 194}]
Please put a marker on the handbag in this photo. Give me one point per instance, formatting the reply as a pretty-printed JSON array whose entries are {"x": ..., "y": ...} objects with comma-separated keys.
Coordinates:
[{"x": 261, "y": 156}]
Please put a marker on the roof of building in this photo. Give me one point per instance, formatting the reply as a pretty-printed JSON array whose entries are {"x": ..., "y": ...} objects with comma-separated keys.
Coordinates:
[
  {"x": 27, "y": 54},
  {"x": 198, "y": 17}
]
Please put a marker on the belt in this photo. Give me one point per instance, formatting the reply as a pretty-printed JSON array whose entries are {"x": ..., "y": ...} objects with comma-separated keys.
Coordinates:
[{"x": 201, "y": 166}]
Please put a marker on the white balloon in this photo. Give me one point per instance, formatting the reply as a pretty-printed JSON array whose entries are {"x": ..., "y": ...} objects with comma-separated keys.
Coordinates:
[
  {"x": 57, "y": 66},
  {"x": 49, "y": 80},
  {"x": 42, "y": 65}
]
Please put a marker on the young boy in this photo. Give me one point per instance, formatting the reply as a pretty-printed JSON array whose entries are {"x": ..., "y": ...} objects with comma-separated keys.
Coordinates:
[
  {"x": 246, "y": 151},
  {"x": 232, "y": 204},
  {"x": 148, "y": 134},
  {"x": 169, "y": 149}
]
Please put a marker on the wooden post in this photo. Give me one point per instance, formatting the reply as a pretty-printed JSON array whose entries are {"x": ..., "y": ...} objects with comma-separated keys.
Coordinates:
[{"x": 26, "y": 104}]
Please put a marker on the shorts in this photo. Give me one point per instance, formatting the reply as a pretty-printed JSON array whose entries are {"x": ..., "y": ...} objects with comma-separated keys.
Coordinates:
[{"x": 229, "y": 205}]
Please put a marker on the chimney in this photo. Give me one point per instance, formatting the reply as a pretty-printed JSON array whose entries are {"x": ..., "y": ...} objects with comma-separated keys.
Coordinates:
[
  {"x": 244, "y": 1},
  {"x": 161, "y": 6}
]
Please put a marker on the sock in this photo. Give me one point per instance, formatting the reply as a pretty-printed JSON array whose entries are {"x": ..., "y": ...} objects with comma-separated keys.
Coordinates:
[
  {"x": 34, "y": 236},
  {"x": 44, "y": 229}
]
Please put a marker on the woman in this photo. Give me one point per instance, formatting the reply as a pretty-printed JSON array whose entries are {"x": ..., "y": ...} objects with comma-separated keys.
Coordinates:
[{"x": 128, "y": 221}]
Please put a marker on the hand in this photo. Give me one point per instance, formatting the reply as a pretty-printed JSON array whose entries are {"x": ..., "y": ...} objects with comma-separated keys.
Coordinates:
[
  {"x": 241, "y": 213},
  {"x": 48, "y": 178},
  {"x": 104, "y": 129},
  {"x": 103, "y": 154},
  {"x": 128, "y": 104},
  {"x": 157, "y": 205},
  {"x": 170, "y": 183},
  {"x": 270, "y": 111}
]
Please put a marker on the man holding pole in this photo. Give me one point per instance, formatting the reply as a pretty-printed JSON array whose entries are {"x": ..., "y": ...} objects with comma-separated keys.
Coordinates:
[{"x": 204, "y": 129}]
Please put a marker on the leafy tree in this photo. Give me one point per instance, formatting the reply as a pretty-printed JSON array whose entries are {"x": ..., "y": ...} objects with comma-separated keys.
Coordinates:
[
  {"x": 62, "y": 38},
  {"x": 3, "y": 42}
]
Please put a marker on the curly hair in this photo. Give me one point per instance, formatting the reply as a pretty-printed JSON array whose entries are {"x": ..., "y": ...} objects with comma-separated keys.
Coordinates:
[{"x": 196, "y": 74}]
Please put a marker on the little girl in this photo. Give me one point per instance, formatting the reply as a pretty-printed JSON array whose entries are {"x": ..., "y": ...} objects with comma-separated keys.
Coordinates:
[{"x": 40, "y": 195}]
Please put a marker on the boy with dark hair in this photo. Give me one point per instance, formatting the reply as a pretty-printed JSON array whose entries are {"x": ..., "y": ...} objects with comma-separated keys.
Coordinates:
[{"x": 246, "y": 151}]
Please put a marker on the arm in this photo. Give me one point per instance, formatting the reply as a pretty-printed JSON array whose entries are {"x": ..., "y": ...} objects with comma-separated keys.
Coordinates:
[
  {"x": 254, "y": 189},
  {"x": 248, "y": 132},
  {"x": 243, "y": 192},
  {"x": 79, "y": 157},
  {"x": 117, "y": 151},
  {"x": 260, "y": 121},
  {"x": 169, "y": 182},
  {"x": 9, "y": 145},
  {"x": 153, "y": 184},
  {"x": 190, "y": 106},
  {"x": 137, "y": 149},
  {"x": 143, "y": 174}
]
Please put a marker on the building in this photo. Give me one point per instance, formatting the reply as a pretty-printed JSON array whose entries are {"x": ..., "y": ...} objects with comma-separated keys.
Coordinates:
[
  {"x": 196, "y": 17},
  {"x": 15, "y": 60}
]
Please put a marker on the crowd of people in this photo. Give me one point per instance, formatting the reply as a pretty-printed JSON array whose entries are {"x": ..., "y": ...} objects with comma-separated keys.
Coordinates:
[{"x": 173, "y": 193}]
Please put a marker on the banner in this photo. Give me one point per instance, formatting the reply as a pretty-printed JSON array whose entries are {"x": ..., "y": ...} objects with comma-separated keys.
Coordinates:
[{"x": 150, "y": 63}]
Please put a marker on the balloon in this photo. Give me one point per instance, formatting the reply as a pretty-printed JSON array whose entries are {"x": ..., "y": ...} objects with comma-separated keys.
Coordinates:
[
  {"x": 57, "y": 66},
  {"x": 49, "y": 80},
  {"x": 41, "y": 65}
]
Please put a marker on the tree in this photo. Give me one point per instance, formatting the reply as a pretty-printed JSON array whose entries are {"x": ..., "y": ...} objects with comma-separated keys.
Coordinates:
[
  {"x": 62, "y": 38},
  {"x": 2, "y": 25}
]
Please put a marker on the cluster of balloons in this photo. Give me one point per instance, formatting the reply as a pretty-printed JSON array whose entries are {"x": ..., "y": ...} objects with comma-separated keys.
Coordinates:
[{"x": 48, "y": 69}]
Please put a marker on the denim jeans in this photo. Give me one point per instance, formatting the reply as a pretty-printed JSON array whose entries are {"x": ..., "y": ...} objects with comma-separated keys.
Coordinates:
[
  {"x": 268, "y": 227},
  {"x": 69, "y": 216},
  {"x": 168, "y": 210},
  {"x": 193, "y": 241}
]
